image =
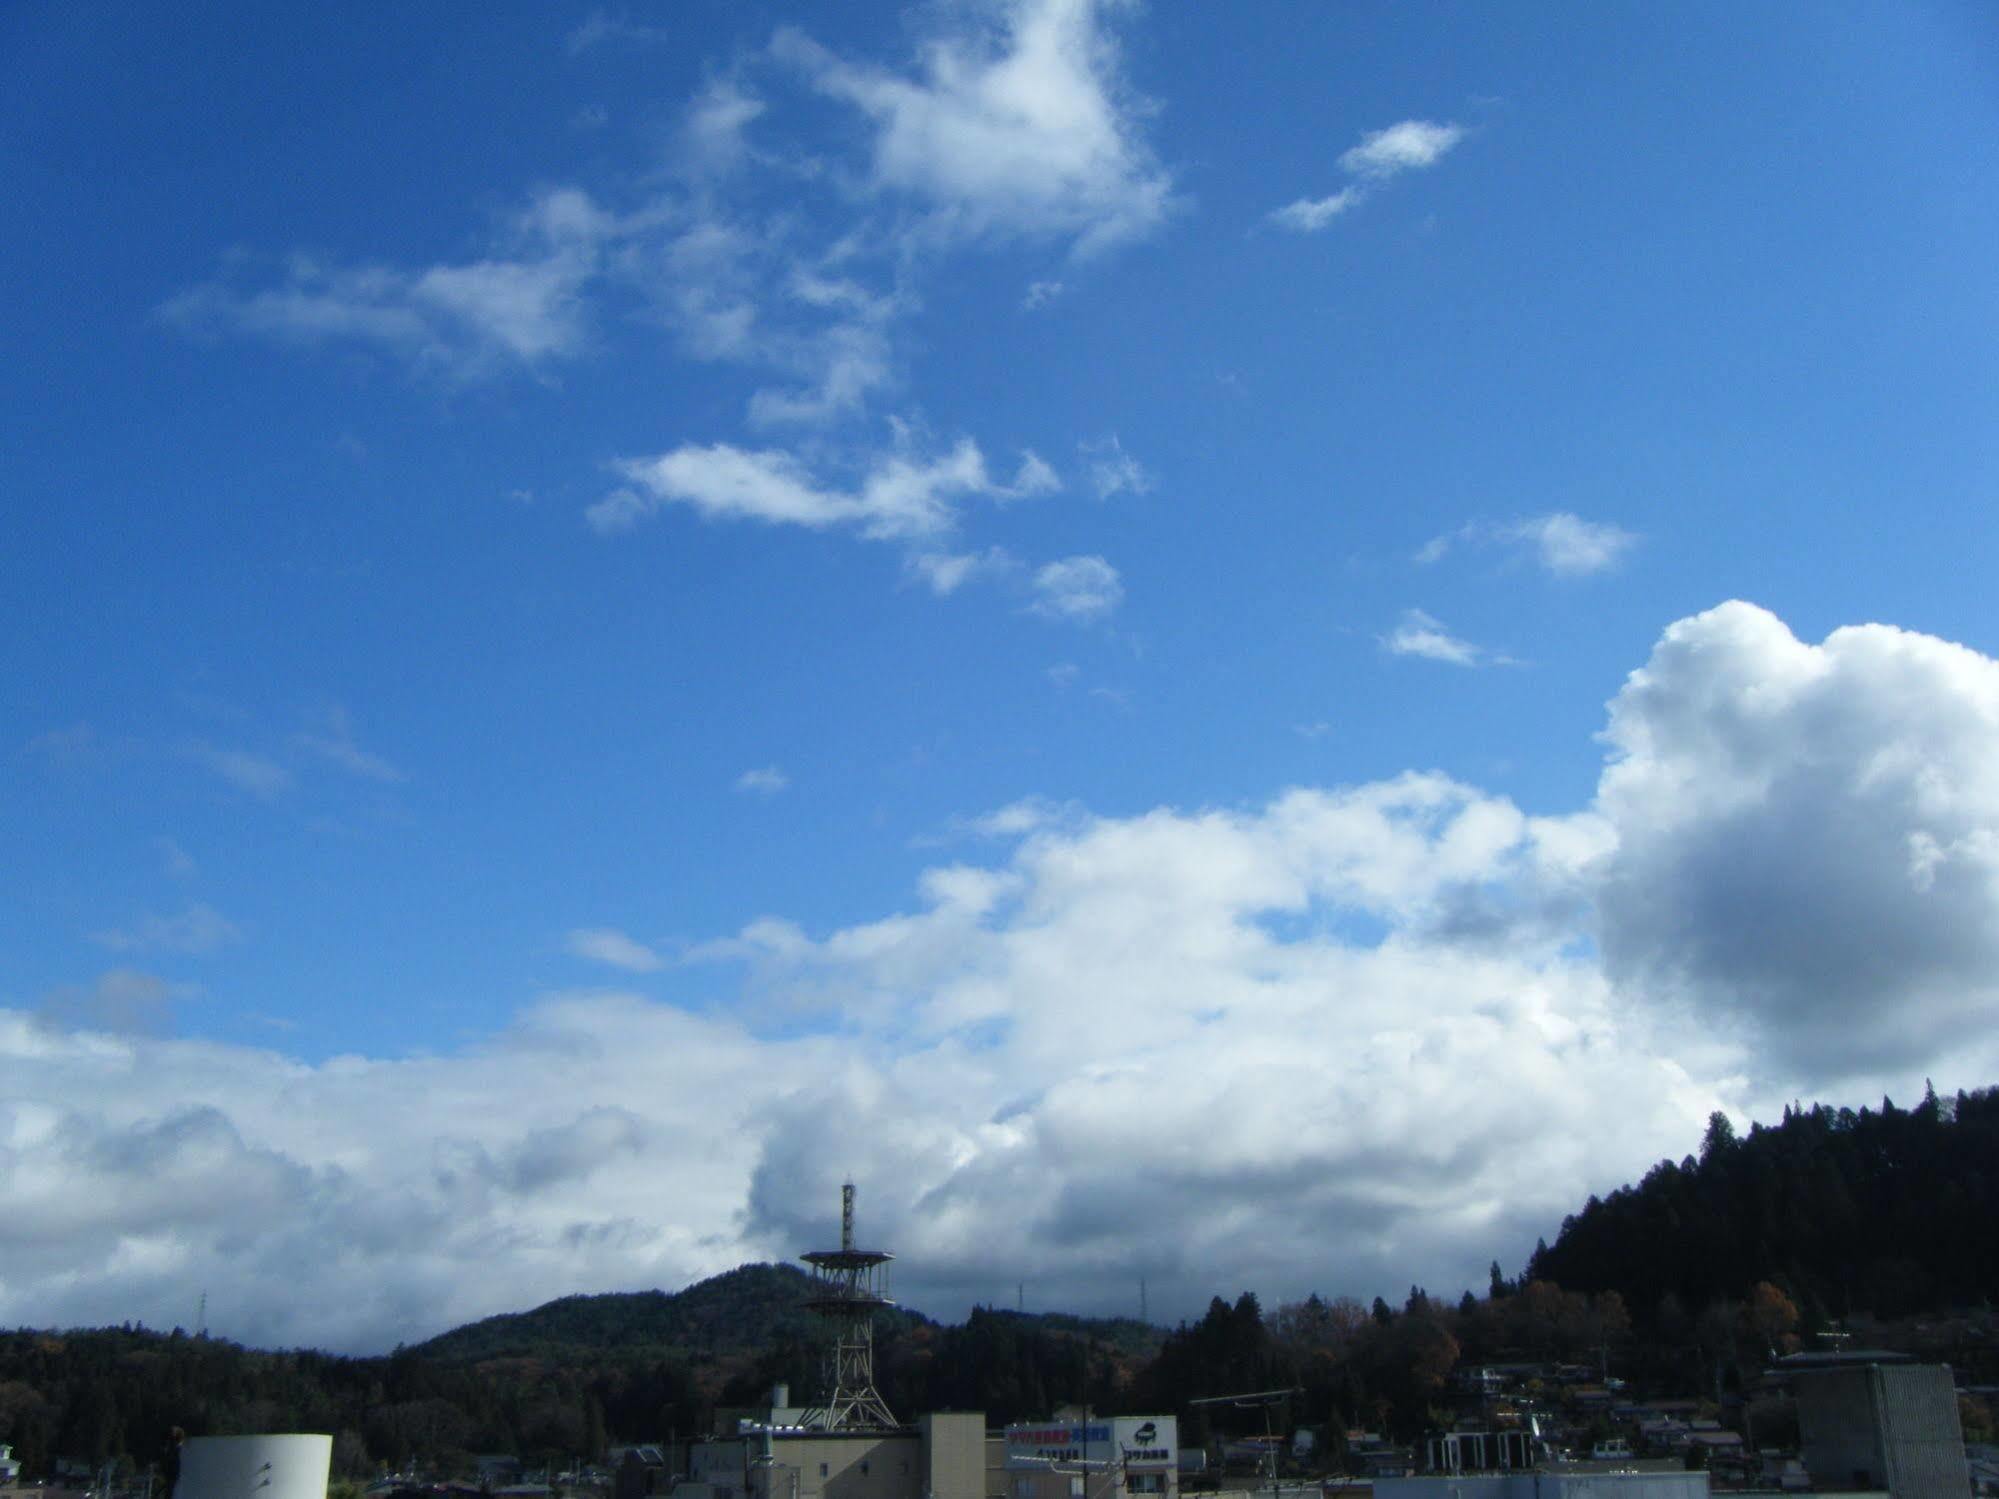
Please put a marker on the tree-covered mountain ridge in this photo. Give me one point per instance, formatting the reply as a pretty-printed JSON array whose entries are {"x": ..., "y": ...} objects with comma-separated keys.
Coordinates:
[
  {"x": 744, "y": 1310},
  {"x": 1885, "y": 1212}
]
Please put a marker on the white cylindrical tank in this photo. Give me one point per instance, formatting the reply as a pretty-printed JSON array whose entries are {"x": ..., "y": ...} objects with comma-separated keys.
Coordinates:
[{"x": 290, "y": 1465}]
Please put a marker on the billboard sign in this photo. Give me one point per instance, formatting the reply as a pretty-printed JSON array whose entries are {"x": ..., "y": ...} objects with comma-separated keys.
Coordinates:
[{"x": 1127, "y": 1441}]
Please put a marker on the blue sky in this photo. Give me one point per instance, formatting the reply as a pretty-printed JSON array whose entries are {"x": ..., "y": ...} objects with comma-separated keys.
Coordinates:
[{"x": 812, "y": 554}]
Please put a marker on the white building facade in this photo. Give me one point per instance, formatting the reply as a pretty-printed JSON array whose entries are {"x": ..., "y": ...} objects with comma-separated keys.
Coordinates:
[{"x": 1106, "y": 1457}]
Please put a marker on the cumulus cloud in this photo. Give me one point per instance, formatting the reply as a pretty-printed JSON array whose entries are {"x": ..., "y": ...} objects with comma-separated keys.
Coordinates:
[
  {"x": 1808, "y": 838},
  {"x": 1344, "y": 1038},
  {"x": 1561, "y": 542},
  {"x": 603, "y": 944},
  {"x": 1420, "y": 634},
  {"x": 1408, "y": 146},
  {"x": 359, "y": 1203},
  {"x": 1023, "y": 129},
  {"x": 1077, "y": 588}
]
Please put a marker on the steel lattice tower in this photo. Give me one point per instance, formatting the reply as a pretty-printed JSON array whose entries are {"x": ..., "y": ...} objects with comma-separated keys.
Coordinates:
[{"x": 847, "y": 1286}]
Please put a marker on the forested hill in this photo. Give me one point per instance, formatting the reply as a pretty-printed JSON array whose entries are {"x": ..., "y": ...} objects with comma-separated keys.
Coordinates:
[
  {"x": 1890, "y": 1211},
  {"x": 748, "y": 1310}
]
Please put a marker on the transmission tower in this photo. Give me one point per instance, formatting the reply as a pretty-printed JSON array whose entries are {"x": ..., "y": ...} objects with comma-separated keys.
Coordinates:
[{"x": 847, "y": 1287}]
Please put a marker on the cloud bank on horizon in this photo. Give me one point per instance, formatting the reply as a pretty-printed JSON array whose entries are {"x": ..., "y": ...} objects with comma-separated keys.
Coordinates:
[{"x": 1348, "y": 1035}]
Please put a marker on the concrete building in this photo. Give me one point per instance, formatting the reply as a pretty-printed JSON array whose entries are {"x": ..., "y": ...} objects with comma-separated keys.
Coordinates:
[
  {"x": 1879, "y": 1421},
  {"x": 942, "y": 1456},
  {"x": 1109, "y": 1457}
]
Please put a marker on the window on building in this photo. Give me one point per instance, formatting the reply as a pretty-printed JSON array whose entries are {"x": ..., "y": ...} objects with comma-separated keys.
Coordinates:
[
  {"x": 864, "y": 1467},
  {"x": 1023, "y": 1488},
  {"x": 1146, "y": 1483}
]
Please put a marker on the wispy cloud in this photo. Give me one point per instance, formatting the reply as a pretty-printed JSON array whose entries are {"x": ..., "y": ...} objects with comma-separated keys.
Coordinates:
[
  {"x": 262, "y": 778},
  {"x": 334, "y": 742},
  {"x": 1077, "y": 588},
  {"x": 602, "y": 26},
  {"x": 604, "y": 944},
  {"x": 946, "y": 572},
  {"x": 464, "y": 319},
  {"x": 73, "y": 745},
  {"x": 199, "y": 929},
  {"x": 1112, "y": 470},
  {"x": 121, "y": 1002},
  {"x": 1411, "y": 145},
  {"x": 1420, "y": 634},
  {"x": 1564, "y": 544},
  {"x": 766, "y": 780},
  {"x": 1309, "y": 215},
  {"x": 1039, "y": 294},
  {"x": 900, "y": 496},
  {"x": 175, "y": 860}
]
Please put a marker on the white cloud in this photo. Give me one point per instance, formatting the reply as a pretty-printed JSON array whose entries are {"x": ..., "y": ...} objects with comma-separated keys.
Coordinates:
[
  {"x": 1562, "y": 543},
  {"x": 1309, "y": 215},
  {"x": 1569, "y": 546},
  {"x": 1022, "y": 129},
  {"x": 1077, "y": 588},
  {"x": 333, "y": 741},
  {"x": 1808, "y": 838},
  {"x": 603, "y": 944},
  {"x": 602, "y": 26},
  {"x": 71, "y": 746},
  {"x": 1039, "y": 294},
  {"x": 901, "y": 496},
  {"x": 467, "y": 320},
  {"x": 946, "y": 572},
  {"x": 766, "y": 780},
  {"x": 262, "y": 778},
  {"x": 1346, "y": 1039},
  {"x": 1408, "y": 146},
  {"x": 198, "y": 929},
  {"x": 175, "y": 860},
  {"x": 715, "y": 125},
  {"x": 121, "y": 1002},
  {"x": 1114, "y": 471},
  {"x": 1420, "y": 634}
]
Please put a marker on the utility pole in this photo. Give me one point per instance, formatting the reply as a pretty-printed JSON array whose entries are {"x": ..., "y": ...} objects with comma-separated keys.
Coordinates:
[{"x": 1267, "y": 1400}]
